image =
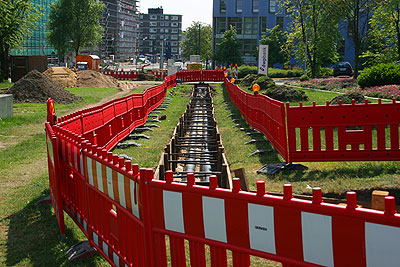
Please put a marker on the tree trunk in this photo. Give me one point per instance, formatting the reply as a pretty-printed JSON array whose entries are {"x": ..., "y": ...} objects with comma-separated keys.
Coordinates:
[{"x": 4, "y": 61}]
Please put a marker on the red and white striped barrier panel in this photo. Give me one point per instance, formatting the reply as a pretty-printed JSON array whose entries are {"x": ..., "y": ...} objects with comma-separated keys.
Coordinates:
[{"x": 122, "y": 75}]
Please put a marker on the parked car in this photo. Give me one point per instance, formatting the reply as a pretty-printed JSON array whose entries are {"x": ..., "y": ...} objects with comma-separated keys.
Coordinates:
[{"x": 342, "y": 68}]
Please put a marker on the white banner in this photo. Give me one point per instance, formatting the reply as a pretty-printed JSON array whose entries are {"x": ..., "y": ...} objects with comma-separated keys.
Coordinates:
[{"x": 263, "y": 59}]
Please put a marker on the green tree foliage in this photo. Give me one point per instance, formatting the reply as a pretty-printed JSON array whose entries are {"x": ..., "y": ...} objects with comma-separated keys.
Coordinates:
[
  {"x": 314, "y": 32},
  {"x": 17, "y": 20},
  {"x": 190, "y": 46},
  {"x": 228, "y": 49},
  {"x": 357, "y": 14},
  {"x": 74, "y": 24},
  {"x": 275, "y": 38},
  {"x": 385, "y": 34}
]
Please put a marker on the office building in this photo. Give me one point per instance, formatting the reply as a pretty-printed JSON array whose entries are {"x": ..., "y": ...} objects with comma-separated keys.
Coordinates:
[
  {"x": 36, "y": 43},
  {"x": 251, "y": 18},
  {"x": 121, "y": 29},
  {"x": 156, "y": 28}
]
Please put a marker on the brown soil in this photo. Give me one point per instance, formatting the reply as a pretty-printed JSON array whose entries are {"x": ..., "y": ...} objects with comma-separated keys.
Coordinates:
[
  {"x": 35, "y": 87},
  {"x": 94, "y": 79},
  {"x": 65, "y": 77}
]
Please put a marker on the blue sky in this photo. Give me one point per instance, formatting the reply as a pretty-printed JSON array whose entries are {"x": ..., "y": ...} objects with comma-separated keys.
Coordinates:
[{"x": 192, "y": 10}]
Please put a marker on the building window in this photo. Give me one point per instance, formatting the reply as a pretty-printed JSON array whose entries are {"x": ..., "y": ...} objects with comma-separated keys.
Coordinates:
[
  {"x": 222, "y": 6},
  {"x": 239, "y": 6},
  {"x": 174, "y": 50},
  {"x": 249, "y": 47},
  {"x": 237, "y": 23},
  {"x": 174, "y": 24},
  {"x": 174, "y": 17},
  {"x": 161, "y": 30},
  {"x": 251, "y": 26},
  {"x": 174, "y": 37},
  {"x": 166, "y": 17},
  {"x": 263, "y": 25},
  {"x": 174, "y": 43},
  {"x": 152, "y": 23},
  {"x": 161, "y": 17},
  {"x": 161, "y": 23},
  {"x": 272, "y": 6},
  {"x": 152, "y": 37},
  {"x": 174, "y": 30},
  {"x": 221, "y": 25},
  {"x": 166, "y": 24},
  {"x": 153, "y": 17},
  {"x": 166, "y": 30},
  {"x": 153, "y": 30},
  {"x": 255, "y": 6},
  {"x": 279, "y": 22}
]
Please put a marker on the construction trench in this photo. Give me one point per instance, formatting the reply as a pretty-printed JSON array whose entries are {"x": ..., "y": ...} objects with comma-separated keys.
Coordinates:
[{"x": 195, "y": 147}]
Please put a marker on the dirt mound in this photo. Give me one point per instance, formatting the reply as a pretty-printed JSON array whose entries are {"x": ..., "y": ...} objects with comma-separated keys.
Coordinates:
[
  {"x": 347, "y": 98},
  {"x": 35, "y": 87},
  {"x": 94, "y": 79},
  {"x": 283, "y": 93},
  {"x": 65, "y": 77}
]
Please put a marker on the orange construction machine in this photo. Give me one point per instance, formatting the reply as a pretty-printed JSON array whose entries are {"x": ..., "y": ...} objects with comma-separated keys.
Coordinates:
[{"x": 87, "y": 62}]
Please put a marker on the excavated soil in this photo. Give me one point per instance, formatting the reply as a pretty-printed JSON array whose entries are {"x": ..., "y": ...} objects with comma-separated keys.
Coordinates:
[
  {"x": 94, "y": 79},
  {"x": 35, "y": 87},
  {"x": 65, "y": 77}
]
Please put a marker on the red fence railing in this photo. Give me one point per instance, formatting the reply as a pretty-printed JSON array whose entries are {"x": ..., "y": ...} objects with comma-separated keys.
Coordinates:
[
  {"x": 121, "y": 75},
  {"x": 128, "y": 216},
  {"x": 344, "y": 132},
  {"x": 262, "y": 113}
]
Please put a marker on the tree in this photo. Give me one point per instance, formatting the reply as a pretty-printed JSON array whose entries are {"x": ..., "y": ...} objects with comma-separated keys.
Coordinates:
[
  {"x": 17, "y": 20},
  {"x": 190, "y": 46},
  {"x": 314, "y": 32},
  {"x": 275, "y": 38},
  {"x": 357, "y": 14},
  {"x": 74, "y": 24},
  {"x": 385, "y": 22},
  {"x": 228, "y": 49}
]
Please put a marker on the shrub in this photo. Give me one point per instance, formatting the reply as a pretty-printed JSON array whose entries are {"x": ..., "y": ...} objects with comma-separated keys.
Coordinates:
[
  {"x": 304, "y": 77},
  {"x": 279, "y": 73},
  {"x": 381, "y": 74},
  {"x": 264, "y": 82},
  {"x": 347, "y": 98},
  {"x": 283, "y": 93},
  {"x": 249, "y": 79},
  {"x": 244, "y": 70}
]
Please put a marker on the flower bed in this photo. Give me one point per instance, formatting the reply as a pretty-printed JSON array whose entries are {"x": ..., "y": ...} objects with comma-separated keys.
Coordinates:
[{"x": 346, "y": 85}]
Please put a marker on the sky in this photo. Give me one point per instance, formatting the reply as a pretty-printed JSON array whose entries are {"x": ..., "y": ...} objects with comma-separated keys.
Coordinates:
[{"x": 192, "y": 10}]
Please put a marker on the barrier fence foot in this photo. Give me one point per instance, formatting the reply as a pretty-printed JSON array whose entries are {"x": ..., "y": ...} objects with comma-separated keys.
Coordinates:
[
  {"x": 44, "y": 201},
  {"x": 278, "y": 167},
  {"x": 82, "y": 250}
]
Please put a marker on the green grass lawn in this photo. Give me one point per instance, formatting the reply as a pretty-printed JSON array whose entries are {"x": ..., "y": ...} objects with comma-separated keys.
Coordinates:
[{"x": 6, "y": 84}]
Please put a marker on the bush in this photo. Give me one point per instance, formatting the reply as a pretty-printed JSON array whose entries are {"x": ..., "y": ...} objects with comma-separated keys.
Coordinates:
[
  {"x": 245, "y": 70},
  {"x": 283, "y": 93},
  {"x": 249, "y": 79},
  {"x": 347, "y": 98},
  {"x": 264, "y": 82},
  {"x": 279, "y": 73},
  {"x": 381, "y": 74},
  {"x": 304, "y": 77}
]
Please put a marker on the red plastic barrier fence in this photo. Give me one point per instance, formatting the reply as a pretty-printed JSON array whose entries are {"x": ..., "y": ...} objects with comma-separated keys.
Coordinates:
[
  {"x": 262, "y": 113},
  {"x": 344, "y": 132},
  {"x": 121, "y": 75},
  {"x": 127, "y": 215}
]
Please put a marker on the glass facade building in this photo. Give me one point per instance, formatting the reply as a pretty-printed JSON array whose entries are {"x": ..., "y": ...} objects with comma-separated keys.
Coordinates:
[{"x": 36, "y": 43}]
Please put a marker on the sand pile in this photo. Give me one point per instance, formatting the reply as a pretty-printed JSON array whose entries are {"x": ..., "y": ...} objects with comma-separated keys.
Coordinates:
[
  {"x": 94, "y": 79},
  {"x": 65, "y": 77},
  {"x": 35, "y": 87}
]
